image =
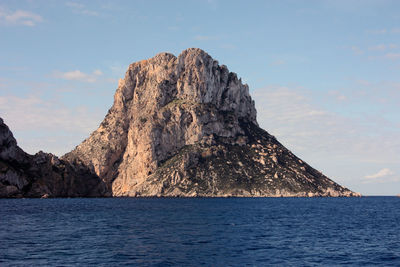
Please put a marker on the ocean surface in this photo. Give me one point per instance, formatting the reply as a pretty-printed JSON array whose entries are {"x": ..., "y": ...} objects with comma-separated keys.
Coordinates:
[{"x": 200, "y": 232}]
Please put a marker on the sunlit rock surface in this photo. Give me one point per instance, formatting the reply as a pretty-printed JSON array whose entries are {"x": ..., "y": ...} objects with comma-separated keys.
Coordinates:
[{"x": 186, "y": 126}]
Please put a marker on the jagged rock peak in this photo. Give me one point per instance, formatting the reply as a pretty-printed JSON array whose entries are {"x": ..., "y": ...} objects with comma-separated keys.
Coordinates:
[
  {"x": 8, "y": 144},
  {"x": 186, "y": 126},
  {"x": 193, "y": 76}
]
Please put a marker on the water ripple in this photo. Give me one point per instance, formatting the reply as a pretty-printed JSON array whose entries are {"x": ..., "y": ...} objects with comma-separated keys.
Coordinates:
[{"x": 200, "y": 231}]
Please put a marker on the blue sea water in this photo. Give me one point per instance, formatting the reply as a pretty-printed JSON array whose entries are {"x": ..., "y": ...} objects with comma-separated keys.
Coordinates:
[{"x": 200, "y": 232}]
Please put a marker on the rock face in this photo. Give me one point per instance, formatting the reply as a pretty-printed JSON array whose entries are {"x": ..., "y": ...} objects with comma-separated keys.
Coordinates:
[
  {"x": 186, "y": 126},
  {"x": 42, "y": 175}
]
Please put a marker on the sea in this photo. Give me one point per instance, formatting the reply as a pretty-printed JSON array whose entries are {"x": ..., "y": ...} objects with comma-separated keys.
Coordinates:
[{"x": 200, "y": 232}]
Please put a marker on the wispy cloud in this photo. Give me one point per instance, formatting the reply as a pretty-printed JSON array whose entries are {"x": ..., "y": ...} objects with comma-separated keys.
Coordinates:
[
  {"x": 300, "y": 122},
  {"x": 80, "y": 8},
  {"x": 380, "y": 174},
  {"x": 19, "y": 17},
  {"x": 77, "y": 75},
  {"x": 34, "y": 112},
  {"x": 377, "y": 52},
  {"x": 43, "y": 120}
]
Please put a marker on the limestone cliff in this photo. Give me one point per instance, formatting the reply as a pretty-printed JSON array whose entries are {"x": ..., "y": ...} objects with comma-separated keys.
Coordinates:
[
  {"x": 186, "y": 126},
  {"x": 42, "y": 174}
]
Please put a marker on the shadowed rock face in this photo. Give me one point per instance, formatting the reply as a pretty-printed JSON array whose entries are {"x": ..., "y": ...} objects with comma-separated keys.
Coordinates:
[
  {"x": 42, "y": 174},
  {"x": 186, "y": 126}
]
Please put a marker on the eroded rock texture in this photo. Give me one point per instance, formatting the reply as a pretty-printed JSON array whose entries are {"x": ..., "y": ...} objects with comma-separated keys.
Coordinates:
[
  {"x": 186, "y": 126},
  {"x": 42, "y": 174}
]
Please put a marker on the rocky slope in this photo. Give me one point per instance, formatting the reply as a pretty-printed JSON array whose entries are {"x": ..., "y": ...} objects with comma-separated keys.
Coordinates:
[
  {"x": 42, "y": 174},
  {"x": 186, "y": 126}
]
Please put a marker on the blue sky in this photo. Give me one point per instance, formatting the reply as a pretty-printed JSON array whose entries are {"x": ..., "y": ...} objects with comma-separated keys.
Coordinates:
[{"x": 324, "y": 74}]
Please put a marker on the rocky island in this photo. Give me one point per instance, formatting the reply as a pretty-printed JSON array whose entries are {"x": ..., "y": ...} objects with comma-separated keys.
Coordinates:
[
  {"x": 42, "y": 174},
  {"x": 179, "y": 127}
]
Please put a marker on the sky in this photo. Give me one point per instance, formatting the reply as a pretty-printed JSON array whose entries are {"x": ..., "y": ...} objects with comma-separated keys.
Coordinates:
[{"x": 324, "y": 74}]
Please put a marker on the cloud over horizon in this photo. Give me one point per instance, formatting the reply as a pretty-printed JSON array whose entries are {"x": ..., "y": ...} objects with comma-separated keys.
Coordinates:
[
  {"x": 48, "y": 124},
  {"x": 380, "y": 174},
  {"x": 296, "y": 118},
  {"x": 77, "y": 75}
]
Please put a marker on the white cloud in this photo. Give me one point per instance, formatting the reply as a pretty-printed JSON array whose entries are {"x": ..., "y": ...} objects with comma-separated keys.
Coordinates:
[
  {"x": 335, "y": 137},
  {"x": 47, "y": 124},
  {"x": 290, "y": 105},
  {"x": 77, "y": 75},
  {"x": 74, "y": 75},
  {"x": 296, "y": 117},
  {"x": 382, "y": 173},
  {"x": 376, "y": 52},
  {"x": 19, "y": 17},
  {"x": 34, "y": 112},
  {"x": 98, "y": 72}
]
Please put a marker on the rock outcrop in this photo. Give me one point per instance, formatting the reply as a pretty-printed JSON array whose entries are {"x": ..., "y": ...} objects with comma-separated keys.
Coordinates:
[
  {"x": 186, "y": 126},
  {"x": 42, "y": 174}
]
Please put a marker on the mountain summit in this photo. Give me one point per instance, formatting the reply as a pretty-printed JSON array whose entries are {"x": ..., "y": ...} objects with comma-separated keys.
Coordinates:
[{"x": 186, "y": 126}]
